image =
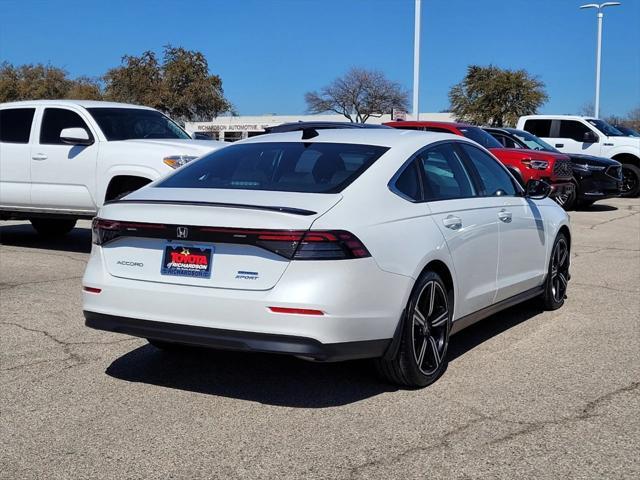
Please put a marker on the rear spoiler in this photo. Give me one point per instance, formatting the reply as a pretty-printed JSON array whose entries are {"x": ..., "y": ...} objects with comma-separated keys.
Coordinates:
[{"x": 272, "y": 208}]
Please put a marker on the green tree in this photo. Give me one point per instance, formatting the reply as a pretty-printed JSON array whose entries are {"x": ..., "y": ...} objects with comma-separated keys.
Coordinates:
[
  {"x": 496, "y": 97},
  {"x": 138, "y": 80},
  {"x": 358, "y": 95},
  {"x": 9, "y": 83},
  {"x": 189, "y": 92},
  {"x": 35, "y": 82},
  {"x": 181, "y": 85},
  {"x": 84, "y": 88}
]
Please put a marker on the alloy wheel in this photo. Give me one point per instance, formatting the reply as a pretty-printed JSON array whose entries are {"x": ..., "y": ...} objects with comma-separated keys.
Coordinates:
[
  {"x": 560, "y": 270},
  {"x": 430, "y": 325},
  {"x": 629, "y": 180}
]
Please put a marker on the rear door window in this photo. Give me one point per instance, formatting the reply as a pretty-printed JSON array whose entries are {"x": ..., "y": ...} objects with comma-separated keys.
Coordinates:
[
  {"x": 444, "y": 175},
  {"x": 495, "y": 179},
  {"x": 15, "y": 124},
  {"x": 55, "y": 120},
  {"x": 286, "y": 167},
  {"x": 539, "y": 127},
  {"x": 408, "y": 183},
  {"x": 573, "y": 130}
]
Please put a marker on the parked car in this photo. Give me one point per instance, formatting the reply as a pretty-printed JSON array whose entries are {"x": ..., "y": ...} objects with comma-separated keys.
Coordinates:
[
  {"x": 591, "y": 136},
  {"x": 596, "y": 178},
  {"x": 629, "y": 132},
  {"x": 328, "y": 244},
  {"x": 525, "y": 165},
  {"x": 62, "y": 159}
]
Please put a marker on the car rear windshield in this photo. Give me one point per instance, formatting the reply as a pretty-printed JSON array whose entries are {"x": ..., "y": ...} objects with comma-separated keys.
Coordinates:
[
  {"x": 480, "y": 136},
  {"x": 135, "y": 123},
  {"x": 285, "y": 167}
]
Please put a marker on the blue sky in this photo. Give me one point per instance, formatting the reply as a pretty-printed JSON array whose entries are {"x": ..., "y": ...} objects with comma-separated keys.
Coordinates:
[{"x": 270, "y": 52}]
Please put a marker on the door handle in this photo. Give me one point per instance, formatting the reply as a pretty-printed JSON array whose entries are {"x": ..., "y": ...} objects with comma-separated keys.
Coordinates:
[
  {"x": 39, "y": 156},
  {"x": 452, "y": 222},
  {"x": 505, "y": 216},
  {"x": 559, "y": 145}
]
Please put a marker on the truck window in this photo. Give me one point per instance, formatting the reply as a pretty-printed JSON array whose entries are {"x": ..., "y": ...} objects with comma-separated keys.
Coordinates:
[
  {"x": 57, "y": 119},
  {"x": 540, "y": 128},
  {"x": 573, "y": 129},
  {"x": 15, "y": 124}
]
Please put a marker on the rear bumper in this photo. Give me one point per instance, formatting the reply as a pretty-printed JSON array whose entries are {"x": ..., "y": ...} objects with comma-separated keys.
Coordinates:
[
  {"x": 236, "y": 340},
  {"x": 359, "y": 301}
]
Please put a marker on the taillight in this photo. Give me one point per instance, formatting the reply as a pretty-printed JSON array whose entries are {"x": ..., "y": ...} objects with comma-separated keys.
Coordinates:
[
  {"x": 103, "y": 230},
  {"x": 291, "y": 244},
  {"x": 313, "y": 244},
  {"x": 296, "y": 311}
]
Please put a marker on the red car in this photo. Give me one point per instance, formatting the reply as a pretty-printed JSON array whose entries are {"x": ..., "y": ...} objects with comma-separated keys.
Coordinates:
[{"x": 524, "y": 164}]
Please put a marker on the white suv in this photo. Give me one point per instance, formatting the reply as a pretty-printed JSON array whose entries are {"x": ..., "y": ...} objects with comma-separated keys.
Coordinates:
[
  {"x": 60, "y": 160},
  {"x": 591, "y": 136}
]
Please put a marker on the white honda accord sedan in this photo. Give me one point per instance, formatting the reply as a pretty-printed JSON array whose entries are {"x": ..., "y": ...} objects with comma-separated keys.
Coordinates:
[{"x": 327, "y": 244}]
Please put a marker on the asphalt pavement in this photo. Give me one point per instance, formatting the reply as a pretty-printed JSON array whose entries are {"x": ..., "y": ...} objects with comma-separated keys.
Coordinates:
[{"x": 528, "y": 394}]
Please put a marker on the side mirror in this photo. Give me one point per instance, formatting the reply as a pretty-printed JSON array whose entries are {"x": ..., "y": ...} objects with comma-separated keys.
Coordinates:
[
  {"x": 590, "y": 137},
  {"x": 537, "y": 189},
  {"x": 75, "y": 136}
]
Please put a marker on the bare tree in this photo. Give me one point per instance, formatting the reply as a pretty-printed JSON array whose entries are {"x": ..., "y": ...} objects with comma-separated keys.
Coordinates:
[{"x": 358, "y": 95}]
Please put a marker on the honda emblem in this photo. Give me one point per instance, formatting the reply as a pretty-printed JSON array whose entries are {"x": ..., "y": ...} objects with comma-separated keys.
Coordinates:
[{"x": 182, "y": 232}]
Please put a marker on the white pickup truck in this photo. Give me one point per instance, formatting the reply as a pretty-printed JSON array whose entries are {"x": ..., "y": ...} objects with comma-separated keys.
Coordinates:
[
  {"x": 591, "y": 136},
  {"x": 60, "y": 160}
]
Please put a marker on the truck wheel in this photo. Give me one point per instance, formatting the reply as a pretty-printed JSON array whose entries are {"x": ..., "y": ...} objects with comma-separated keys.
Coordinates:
[
  {"x": 48, "y": 227},
  {"x": 630, "y": 180}
]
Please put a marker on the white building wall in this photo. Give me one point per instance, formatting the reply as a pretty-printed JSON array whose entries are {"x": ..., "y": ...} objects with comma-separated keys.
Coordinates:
[{"x": 235, "y": 128}]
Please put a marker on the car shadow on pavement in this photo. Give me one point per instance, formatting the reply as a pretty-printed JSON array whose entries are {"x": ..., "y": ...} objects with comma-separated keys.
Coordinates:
[
  {"x": 265, "y": 378},
  {"x": 23, "y": 235},
  {"x": 472, "y": 336},
  {"x": 597, "y": 207},
  {"x": 281, "y": 380}
]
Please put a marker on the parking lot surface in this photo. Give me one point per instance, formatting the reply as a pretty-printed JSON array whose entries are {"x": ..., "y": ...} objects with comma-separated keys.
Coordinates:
[{"x": 528, "y": 394}]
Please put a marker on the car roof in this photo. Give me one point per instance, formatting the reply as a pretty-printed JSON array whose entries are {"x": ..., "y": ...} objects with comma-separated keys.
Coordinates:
[
  {"x": 424, "y": 123},
  {"x": 299, "y": 126},
  {"x": 385, "y": 137},
  {"x": 557, "y": 117},
  {"x": 77, "y": 103}
]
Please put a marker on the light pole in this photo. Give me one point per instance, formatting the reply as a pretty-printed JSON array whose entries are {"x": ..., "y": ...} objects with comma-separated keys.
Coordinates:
[
  {"x": 416, "y": 63},
  {"x": 600, "y": 7}
]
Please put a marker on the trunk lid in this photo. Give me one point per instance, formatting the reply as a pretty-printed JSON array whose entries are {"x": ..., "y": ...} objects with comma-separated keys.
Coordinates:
[{"x": 211, "y": 235}]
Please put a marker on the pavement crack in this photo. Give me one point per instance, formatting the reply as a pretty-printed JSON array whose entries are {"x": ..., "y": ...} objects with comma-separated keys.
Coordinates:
[
  {"x": 589, "y": 411},
  {"x": 630, "y": 214},
  {"x": 585, "y": 413},
  {"x": 9, "y": 286},
  {"x": 606, "y": 287},
  {"x": 48, "y": 254},
  {"x": 67, "y": 347},
  {"x": 443, "y": 441}
]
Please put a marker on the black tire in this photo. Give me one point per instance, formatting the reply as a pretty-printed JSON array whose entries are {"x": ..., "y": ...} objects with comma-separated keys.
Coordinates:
[
  {"x": 167, "y": 346},
  {"x": 422, "y": 354},
  {"x": 555, "y": 285},
  {"x": 585, "y": 203},
  {"x": 568, "y": 201},
  {"x": 630, "y": 180},
  {"x": 51, "y": 228}
]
